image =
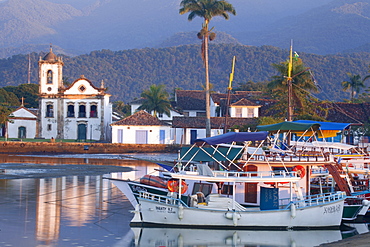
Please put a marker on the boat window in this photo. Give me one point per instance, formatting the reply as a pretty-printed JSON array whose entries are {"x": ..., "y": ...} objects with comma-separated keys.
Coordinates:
[
  {"x": 227, "y": 189},
  {"x": 206, "y": 189}
]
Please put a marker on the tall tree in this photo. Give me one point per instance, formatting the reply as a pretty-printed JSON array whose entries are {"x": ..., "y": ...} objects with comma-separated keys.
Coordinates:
[
  {"x": 156, "y": 100},
  {"x": 206, "y": 9},
  {"x": 302, "y": 87},
  {"x": 354, "y": 84}
]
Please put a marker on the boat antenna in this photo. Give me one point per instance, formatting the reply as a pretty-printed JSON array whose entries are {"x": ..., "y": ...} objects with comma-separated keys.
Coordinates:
[{"x": 229, "y": 88}]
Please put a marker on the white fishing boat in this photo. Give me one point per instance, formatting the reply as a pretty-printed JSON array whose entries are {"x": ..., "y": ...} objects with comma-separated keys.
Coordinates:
[{"x": 191, "y": 208}]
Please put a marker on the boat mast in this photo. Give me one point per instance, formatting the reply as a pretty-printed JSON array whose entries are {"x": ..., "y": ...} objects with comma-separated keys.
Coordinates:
[
  {"x": 289, "y": 82},
  {"x": 228, "y": 94}
]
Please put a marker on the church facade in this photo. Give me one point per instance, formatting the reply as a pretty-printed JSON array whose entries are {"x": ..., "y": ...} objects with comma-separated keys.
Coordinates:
[{"x": 80, "y": 111}]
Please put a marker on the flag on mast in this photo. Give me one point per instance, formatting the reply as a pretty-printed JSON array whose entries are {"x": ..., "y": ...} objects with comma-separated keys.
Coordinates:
[{"x": 290, "y": 65}]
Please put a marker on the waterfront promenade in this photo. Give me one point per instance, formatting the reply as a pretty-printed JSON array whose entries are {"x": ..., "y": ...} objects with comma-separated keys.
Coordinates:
[{"x": 49, "y": 147}]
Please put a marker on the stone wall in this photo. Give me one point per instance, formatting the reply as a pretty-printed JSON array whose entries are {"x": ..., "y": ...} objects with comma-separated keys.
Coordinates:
[{"x": 81, "y": 148}]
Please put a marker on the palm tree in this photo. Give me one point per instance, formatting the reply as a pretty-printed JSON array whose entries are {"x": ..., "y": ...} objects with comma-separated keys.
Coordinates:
[
  {"x": 355, "y": 84},
  {"x": 302, "y": 86},
  {"x": 156, "y": 100},
  {"x": 206, "y": 9}
]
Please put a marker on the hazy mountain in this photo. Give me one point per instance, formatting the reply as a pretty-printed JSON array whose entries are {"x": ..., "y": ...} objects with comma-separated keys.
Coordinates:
[
  {"x": 77, "y": 27},
  {"x": 337, "y": 26}
]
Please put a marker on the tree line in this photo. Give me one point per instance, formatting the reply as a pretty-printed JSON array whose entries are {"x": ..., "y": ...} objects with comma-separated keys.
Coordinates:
[{"x": 127, "y": 73}]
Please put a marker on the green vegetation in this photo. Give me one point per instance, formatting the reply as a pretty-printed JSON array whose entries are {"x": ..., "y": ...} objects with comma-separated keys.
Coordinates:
[
  {"x": 127, "y": 73},
  {"x": 354, "y": 84},
  {"x": 302, "y": 86},
  {"x": 156, "y": 100}
]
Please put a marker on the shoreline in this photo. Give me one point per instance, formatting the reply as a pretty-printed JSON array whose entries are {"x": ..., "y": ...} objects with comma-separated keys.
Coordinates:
[{"x": 9, "y": 147}]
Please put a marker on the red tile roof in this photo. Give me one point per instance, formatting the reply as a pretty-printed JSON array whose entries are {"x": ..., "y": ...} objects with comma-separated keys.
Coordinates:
[
  {"x": 140, "y": 118},
  {"x": 244, "y": 102}
]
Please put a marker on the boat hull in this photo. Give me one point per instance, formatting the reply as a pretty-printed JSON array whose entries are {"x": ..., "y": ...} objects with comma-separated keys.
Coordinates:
[{"x": 151, "y": 212}]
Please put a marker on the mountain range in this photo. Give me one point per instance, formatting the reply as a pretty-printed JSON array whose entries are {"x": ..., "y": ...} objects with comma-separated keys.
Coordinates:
[
  {"x": 79, "y": 27},
  {"x": 128, "y": 73}
]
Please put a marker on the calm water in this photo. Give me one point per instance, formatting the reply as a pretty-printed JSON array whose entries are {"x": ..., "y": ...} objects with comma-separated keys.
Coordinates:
[{"x": 90, "y": 211}]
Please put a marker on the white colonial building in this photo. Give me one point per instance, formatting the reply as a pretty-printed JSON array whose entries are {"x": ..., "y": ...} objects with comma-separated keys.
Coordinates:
[
  {"x": 22, "y": 124},
  {"x": 80, "y": 111},
  {"x": 141, "y": 128}
]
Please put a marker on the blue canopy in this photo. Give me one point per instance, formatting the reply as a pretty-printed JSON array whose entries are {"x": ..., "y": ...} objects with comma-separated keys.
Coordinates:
[
  {"x": 234, "y": 137},
  {"x": 326, "y": 125}
]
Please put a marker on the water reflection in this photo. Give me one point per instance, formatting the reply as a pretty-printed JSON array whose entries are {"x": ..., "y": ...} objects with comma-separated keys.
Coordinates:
[
  {"x": 154, "y": 237},
  {"x": 90, "y": 211}
]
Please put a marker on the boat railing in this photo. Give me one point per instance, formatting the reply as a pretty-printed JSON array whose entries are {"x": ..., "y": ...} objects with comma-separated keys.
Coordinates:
[
  {"x": 259, "y": 174},
  {"x": 161, "y": 198},
  {"x": 313, "y": 200}
]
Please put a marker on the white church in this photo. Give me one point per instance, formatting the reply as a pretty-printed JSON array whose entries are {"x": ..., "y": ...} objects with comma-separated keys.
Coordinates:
[{"x": 80, "y": 111}]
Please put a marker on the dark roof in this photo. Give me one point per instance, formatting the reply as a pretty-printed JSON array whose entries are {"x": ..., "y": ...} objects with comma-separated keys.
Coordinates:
[
  {"x": 234, "y": 97},
  {"x": 347, "y": 112},
  {"x": 191, "y": 99},
  {"x": 244, "y": 102},
  {"x": 216, "y": 122},
  {"x": 140, "y": 118}
]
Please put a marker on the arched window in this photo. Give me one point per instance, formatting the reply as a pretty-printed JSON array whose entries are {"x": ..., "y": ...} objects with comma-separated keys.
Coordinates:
[
  {"x": 50, "y": 77},
  {"x": 71, "y": 110},
  {"x": 93, "y": 111},
  {"x": 49, "y": 110},
  {"x": 81, "y": 111}
]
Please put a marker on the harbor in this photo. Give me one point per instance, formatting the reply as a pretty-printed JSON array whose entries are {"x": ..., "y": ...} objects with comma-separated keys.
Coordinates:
[{"x": 84, "y": 209}]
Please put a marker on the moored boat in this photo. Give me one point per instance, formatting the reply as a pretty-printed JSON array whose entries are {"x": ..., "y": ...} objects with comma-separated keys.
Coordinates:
[{"x": 221, "y": 208}]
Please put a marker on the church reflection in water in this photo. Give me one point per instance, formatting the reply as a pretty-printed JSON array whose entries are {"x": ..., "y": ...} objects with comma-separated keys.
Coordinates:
[{"x": 75, "y": 200}]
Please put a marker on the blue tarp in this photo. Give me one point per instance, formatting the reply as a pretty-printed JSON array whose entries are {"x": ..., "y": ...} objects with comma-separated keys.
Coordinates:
[
  {"x": 234, "y": 137},
  {"x": 326, "y": 125}
]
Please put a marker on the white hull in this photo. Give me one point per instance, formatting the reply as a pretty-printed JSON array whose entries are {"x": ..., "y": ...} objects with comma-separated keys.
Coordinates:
[
  {"x": 202, "y": 237},
  {"x": 151, "y": 211}
]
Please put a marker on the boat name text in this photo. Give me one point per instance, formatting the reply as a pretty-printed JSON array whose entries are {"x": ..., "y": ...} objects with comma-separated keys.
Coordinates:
[{"x": 332, "y": 209}]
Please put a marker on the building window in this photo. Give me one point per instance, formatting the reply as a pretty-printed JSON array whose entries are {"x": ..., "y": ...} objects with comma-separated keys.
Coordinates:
[
  {"x": 82, "y": 88},
  {"x": 49, "y": 127},
  {"x": 200, "y": 114},
  {"x": 81, "y": 111},
  {"x": 238, "y": 112},
  {"x": 93, "y": 111},
  {"x": 49, "y": 110},
  {"x": 250, "y": 112},
  {"x": 71, "y": 111},
  {"x": 49, "y": 77},
  {"x": 160, "y": 115}
]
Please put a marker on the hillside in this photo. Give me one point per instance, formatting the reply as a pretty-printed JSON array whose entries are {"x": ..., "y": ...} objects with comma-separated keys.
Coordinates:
[{"x": 127, "y": 73}]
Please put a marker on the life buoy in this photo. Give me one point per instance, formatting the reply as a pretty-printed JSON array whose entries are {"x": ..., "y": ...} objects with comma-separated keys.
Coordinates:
[
  {"x": 174, "y": 185},
  {"x": 301, "y": 171},
  {"x": 4, "y": 144},
  {"x": 22, "y": 145}
]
